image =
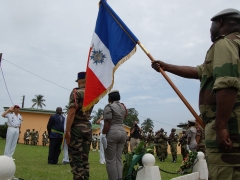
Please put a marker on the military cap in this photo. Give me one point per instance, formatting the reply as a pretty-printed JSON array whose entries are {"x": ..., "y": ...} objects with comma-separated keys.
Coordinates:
[
  {"x": 81, "y": 75},
  {"x": 114, "y": 95},
  {"x": 227, "y": 13},
  {"x": 161, "y": 130},
  {"x": 16, "y": 106},
  {"x": 113, "y": 92},
  {"x": 192, "y": 121},
  {"x": 173, "y": 129}
]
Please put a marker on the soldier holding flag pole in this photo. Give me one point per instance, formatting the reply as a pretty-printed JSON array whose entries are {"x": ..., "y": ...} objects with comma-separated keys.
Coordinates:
[{"x": 219, "y": 94}]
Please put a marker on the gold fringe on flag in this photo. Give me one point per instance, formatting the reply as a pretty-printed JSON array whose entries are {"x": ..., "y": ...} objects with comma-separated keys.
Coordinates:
[{"x": 95, "y": 101}]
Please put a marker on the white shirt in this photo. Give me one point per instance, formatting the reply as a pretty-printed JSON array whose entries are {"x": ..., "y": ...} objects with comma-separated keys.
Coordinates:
[
  {"x": 65, "y": 123},
  {"x": 13, "y": 120},
  {"x": 101, "y": 125}
]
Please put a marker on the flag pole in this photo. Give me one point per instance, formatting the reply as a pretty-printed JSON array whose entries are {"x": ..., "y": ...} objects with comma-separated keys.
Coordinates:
[
  {"x": 198, "y": 119},
  {"x": 0, "y": 58}
]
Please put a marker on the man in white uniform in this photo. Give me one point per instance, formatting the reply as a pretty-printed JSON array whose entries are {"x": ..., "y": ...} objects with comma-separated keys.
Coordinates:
[
  {"x": 102, "y": 157},
  {"x": 14, "y": 123},
  {"x": 65, "y": 147}
]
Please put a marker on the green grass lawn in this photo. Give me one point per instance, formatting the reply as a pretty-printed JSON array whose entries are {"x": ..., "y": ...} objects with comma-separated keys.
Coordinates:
[{"x": 31, "y": 164}]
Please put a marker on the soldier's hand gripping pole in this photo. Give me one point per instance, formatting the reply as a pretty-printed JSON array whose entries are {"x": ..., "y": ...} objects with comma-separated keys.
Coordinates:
[{"x": 198, "y": 119}]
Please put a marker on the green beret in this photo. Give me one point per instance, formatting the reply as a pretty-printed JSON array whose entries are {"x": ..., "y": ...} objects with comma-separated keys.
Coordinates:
[{"x": 230, "y": 12}]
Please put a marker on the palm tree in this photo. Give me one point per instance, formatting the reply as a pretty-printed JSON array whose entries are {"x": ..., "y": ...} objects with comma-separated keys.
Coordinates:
[
  {"x": 38, "y": 100},
  {"x": 65, "y": 110},
  {"x": 97, "y": 115},
  {"x": 147, "y": 124}
]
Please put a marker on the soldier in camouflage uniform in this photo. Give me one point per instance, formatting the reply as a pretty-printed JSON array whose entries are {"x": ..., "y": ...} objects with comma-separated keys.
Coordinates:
[
  {"x": 183, "y": 143},
  {"x": 78, "y": 132},
  {"x": 172, "y": 141},
  {"x": 26, "y": 137},
  {"x": 32, "y": 135},
  {"x": 161, "y": 145},
  {"x": 36, "y": 137},
  {"x": 143, "y": 137},
  {"x": 150, "y": 137},
  {"x": 219, "y": 96},
  {"x": 44, "y": 138},
  {"x": 166, "y": 146}
]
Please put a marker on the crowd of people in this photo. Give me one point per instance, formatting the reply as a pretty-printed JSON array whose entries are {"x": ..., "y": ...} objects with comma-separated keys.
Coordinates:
[{"x": 32, "y": 137}]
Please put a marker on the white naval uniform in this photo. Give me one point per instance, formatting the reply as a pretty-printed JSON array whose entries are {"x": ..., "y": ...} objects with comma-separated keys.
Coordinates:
[
  {"x": 65, "y": 147},
  {"x": 13, "y": 123},
  {"x": 102, "y": 156}
]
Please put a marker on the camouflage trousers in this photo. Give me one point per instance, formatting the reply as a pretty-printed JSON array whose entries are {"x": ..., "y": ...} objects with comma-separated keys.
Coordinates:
[
  {"x": 94, "y": 144},
  {"x": 184, "y": 151},
  {"x": 78, "y": 150},
  {"x": 221, "y": 165},
  {"x": 166, "y": 151},
  {"x": 173, "y": 147},
  {"x": 161, "y": 151}
]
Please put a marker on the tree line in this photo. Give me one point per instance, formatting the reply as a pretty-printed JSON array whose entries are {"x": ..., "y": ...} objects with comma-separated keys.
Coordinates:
[{"x": 128, "y": 121}]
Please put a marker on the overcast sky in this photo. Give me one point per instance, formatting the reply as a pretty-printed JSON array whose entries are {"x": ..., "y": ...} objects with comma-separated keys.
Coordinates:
[{"x": 51, "y": 38}]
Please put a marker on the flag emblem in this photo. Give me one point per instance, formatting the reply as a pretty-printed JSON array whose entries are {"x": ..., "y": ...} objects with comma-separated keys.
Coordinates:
[{"x": 97, "y": 56}]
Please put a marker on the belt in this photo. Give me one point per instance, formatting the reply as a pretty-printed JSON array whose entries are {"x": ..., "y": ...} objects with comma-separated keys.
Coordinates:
[
  {"x": 56, "y": 131},
  {"x": 14, "y": 126}
]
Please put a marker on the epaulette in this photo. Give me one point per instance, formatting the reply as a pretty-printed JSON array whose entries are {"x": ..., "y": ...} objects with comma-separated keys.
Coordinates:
[{"x": 220, "y": 37}]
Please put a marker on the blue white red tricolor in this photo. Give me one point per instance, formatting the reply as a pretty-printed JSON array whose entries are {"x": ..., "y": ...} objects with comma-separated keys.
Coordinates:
[{"x": 112, "y": 44}]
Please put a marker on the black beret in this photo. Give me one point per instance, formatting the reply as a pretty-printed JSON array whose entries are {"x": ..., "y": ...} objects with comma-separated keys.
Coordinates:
[{"x": 230, "y": 12}]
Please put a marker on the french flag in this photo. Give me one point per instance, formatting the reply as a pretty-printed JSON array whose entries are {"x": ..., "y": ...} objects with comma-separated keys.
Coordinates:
[{"x": 112, "y": 44}]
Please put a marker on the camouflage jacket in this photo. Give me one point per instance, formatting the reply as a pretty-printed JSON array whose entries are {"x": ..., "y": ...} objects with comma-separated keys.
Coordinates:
[
  {"x": 221, "y": 69},
  {"x": 44, "y": 136},
  {"x": 26, "y": 135},
  {"x": 183, "y": 139},
  {"x": 200, "y": 133},
  {"x": 150, "y": 137},
  {"x": 173, "y": 138},
  {"x": 76, "y": 101},
  {"x": 161, "y": 137}
]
